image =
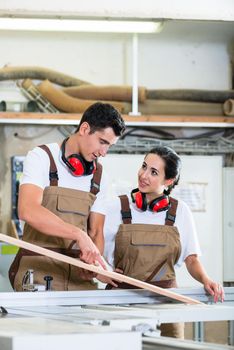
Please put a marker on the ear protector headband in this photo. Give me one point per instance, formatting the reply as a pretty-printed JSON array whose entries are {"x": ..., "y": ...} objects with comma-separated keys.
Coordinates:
[
  {"x": 77, "y": 164},
  {"x": 156, "y": 205}
]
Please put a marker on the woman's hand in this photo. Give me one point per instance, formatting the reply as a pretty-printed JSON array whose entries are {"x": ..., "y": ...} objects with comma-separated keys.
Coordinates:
[
  {"x": 215, "y": 289},
  {"x": 85, "y": 275},
  {"x": 108, "y": 280},
  {"x": 198, "y": 272}
]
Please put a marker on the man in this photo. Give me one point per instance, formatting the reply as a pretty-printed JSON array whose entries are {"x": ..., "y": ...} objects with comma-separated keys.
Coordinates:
[{"x": 61, "y": 200}]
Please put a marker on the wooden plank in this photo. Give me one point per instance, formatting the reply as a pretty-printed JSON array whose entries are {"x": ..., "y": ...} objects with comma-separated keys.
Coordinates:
[
  {"x": 127, "y": 118},
  {"x": 113, "y": 275},
  {"x": 32, "y": 116}
]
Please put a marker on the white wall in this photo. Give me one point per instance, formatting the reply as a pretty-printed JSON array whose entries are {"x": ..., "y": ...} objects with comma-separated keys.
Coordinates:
[
  {"x": 206, "y": 170},
  {"x": 183, "y": 55},
  {"x": 228, "y": 223}
]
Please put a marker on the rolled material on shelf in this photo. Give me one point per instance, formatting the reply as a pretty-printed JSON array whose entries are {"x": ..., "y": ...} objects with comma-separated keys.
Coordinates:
[
  {"x": 228, "y": 107},
  {"x": 30, "y": 91},
  {"x": 109, "y": 93},
  {"x": 67, "y": 103},
  {"x": 218, "y": 96},
  {"x": 39, "y": 73},
  {"x": 166, "y": 107}
]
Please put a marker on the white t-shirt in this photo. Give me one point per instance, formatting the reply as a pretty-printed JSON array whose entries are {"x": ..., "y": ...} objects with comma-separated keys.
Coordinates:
[
  {"x": 36, "y": 171},
  {"x": 184, "y": 223}
]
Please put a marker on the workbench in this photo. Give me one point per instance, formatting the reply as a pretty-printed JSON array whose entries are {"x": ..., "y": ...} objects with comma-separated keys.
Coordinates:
[{"x": 102, "y": 319}]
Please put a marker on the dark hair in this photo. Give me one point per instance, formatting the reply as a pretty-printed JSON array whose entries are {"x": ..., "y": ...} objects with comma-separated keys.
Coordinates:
[
  {"x": 101, "y": 116},
  {"x": 172, "y": 164}
]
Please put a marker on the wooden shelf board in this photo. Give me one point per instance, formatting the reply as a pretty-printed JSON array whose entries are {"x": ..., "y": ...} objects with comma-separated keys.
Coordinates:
[{"x": 65, "y": 118}]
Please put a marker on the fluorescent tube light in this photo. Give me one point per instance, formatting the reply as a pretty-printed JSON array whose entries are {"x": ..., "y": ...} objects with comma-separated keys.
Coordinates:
[{"x": 79, "y": 25}]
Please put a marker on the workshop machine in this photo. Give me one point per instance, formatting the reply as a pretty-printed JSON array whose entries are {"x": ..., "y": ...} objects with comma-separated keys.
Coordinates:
[
  {"x": 104, "y": 319},
  {"x": 41, "y": 318}
]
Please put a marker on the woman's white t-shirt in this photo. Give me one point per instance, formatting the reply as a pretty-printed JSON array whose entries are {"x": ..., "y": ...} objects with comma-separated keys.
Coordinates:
[
  {"x": 36, "y": 172},
  {"x": 184, "y": 223}
]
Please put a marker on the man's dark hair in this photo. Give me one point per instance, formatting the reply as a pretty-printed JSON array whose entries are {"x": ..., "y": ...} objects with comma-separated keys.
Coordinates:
[{"x": 101, "y": 116}]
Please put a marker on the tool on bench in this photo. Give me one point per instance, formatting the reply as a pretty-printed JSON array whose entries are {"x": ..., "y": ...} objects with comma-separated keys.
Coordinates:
[
  {"x": 28, "y": 284},
  {"x": 48, "y": 280}
]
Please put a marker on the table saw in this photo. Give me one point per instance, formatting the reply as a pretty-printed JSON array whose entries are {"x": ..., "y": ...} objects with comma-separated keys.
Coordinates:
[{"x": 103, "y": 319}]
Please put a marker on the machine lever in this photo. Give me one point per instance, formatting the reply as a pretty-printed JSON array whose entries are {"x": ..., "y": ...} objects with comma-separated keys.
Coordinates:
[
  {"x": 48, "y": 280},
  {"x": 3, "y": 311}
]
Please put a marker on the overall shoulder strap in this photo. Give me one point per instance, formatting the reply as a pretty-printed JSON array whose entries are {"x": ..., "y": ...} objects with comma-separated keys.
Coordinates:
[
  {"x": 171, "y": 213},
  {"x": 95, "y": 182},
  {"x": 53, "y": 174},
  {"x": 125, "y": 210}
]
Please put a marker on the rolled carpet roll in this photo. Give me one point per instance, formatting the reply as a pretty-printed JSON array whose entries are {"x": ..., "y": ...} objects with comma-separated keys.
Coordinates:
[
  {"x": 216, "y": 96},
  {"x": 168, "y": 107},
  {"x": 228, "y": 107},
  {"x": 31, "y": 91},
  {"x": 67, "y": 103},
  {"x": 109, "y": 93},
  {"x": 27, "y": 83},
  {"x": 39, "y": 73}
]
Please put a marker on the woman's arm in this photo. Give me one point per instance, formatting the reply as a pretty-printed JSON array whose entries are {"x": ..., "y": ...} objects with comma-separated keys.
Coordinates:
[{"x": 197, "y": 271}]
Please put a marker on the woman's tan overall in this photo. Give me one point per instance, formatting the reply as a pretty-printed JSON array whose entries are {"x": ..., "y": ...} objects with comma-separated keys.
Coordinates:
[
  {"x": 149, "y": 253},
  {"x": 72, "y": 206}
]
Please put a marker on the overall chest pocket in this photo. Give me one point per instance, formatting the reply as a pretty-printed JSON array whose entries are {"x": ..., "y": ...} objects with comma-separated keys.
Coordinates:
[
  {"x": 147, "y": 250},
  {"x": 73, "y": 210},
  {"x": 148, "y": 239}
]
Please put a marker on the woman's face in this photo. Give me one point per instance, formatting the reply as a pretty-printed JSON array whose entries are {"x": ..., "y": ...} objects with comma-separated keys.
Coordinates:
[{"x": 151, "y": 176}]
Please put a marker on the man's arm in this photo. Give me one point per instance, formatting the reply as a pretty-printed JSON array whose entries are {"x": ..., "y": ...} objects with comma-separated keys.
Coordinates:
[
  {"x": 197, "y": 271},
  {"x": 95, "y": 229},
  {"x": 42, "y": 219}
]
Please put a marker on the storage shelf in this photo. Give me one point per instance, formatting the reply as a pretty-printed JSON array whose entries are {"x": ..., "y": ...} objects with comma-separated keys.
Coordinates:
[{"x": 143, "y": 120}]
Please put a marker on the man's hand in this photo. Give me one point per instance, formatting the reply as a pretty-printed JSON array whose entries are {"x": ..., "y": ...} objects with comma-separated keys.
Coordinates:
[{"x": 89, "y": 252}]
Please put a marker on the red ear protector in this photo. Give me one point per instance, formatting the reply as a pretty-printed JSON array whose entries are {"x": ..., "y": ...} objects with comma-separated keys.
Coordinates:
[
  {"x": 156, "y": 205},
  {"x": 77, "y": 164}
]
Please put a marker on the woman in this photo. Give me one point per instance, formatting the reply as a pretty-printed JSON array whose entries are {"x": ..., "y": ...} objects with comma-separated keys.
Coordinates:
[{"x": 150, "y": 232}]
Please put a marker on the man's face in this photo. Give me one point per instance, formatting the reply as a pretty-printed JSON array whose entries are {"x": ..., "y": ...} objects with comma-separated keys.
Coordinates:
[{"x": 96, "y": 144}]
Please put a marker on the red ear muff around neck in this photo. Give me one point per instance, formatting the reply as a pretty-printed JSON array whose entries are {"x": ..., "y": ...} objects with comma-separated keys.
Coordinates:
[
  {"x": 156, "y": 205},
  {"x": 77, "y": 164},
  {"x": 159, "y": 204},
  {"x": 139, "y": 198}
]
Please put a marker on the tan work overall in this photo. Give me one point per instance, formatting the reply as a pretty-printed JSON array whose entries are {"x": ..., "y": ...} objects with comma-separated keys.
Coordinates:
[
  {"x": 149, "y": 253},
  {"x": 72, "y": 206}
]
